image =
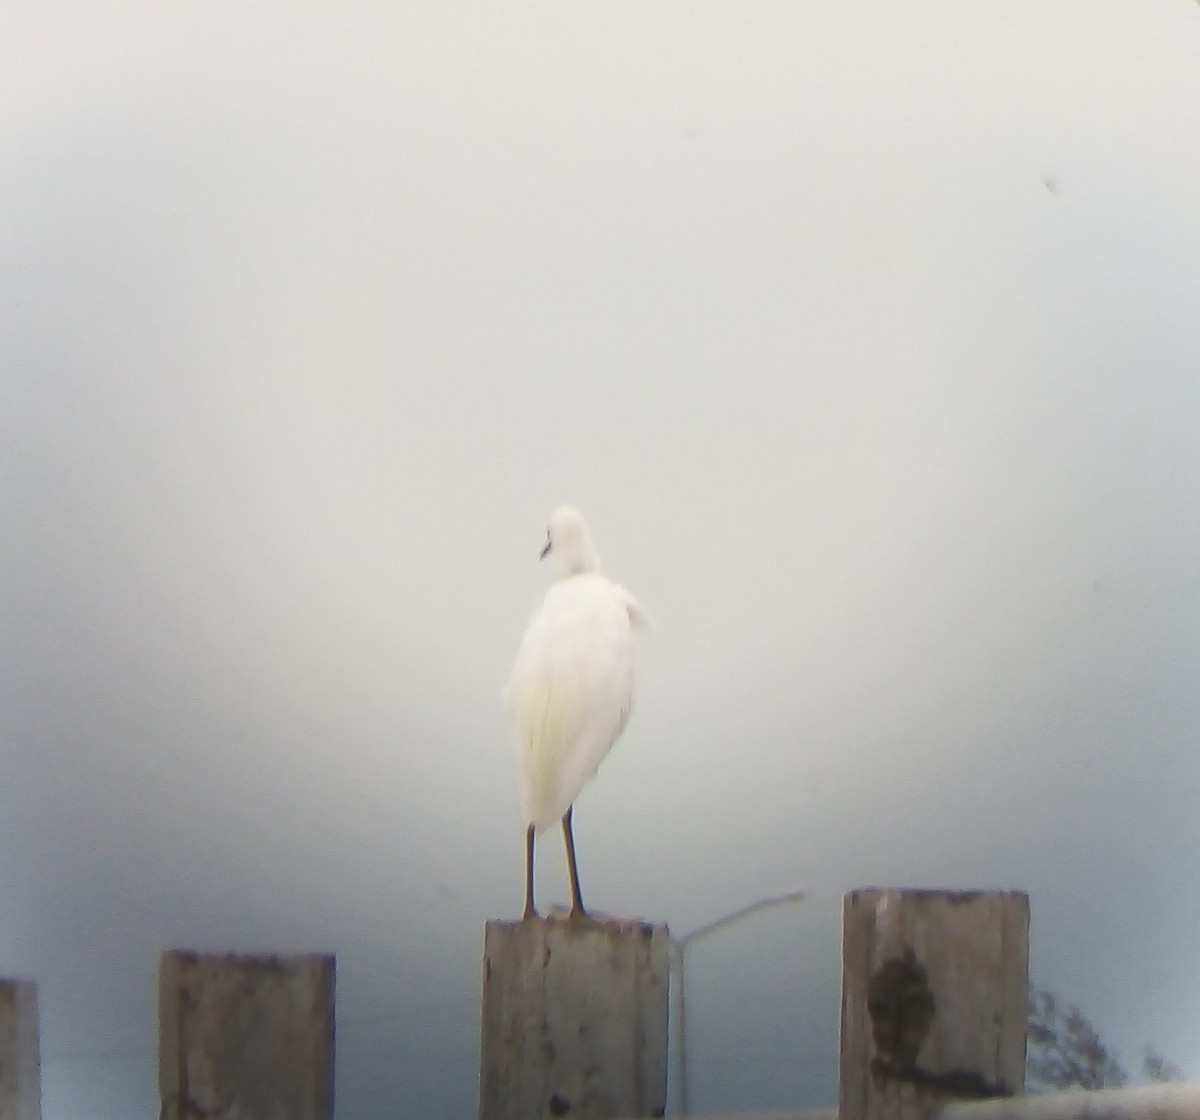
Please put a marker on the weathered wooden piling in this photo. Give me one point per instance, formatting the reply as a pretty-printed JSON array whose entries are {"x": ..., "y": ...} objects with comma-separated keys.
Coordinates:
[
  {"x": 574, "y": 1020},
  {"x": 246, "y": 1037},
  {"x": 935, "y": 997},
  {"x": 20, "y": 1069}
]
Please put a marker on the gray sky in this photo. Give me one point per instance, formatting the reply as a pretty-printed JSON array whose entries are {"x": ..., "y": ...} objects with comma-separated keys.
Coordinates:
[{"x": 865, "y": 335}]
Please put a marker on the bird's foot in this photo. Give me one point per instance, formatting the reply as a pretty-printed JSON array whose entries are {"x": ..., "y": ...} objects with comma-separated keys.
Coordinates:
[
  {"x": 580, "y": 917},
  {"x": 617, "y": 923}
]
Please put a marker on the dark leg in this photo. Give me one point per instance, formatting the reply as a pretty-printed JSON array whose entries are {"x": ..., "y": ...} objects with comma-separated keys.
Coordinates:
[
  {"x": 530, "y": 912},
  {"x": 577, "y": 910}
]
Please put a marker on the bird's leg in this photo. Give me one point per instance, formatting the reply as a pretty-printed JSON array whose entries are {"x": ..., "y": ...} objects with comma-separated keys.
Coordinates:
[
  {"x": 530, "y": 912},
  {"x": 577, "y": 910}
]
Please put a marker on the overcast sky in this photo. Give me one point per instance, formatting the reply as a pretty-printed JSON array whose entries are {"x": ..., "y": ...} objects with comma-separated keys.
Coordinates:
[{"x": 866, "y": 335}]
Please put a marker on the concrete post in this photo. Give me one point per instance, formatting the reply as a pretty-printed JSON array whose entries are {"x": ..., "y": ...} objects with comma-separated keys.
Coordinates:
[
  {"x": 245, "y": 1037},
  {"x": 935, "y": 997},
  {"x": 574, "y": 1020},
  {"x": 20, "y": 1071}
]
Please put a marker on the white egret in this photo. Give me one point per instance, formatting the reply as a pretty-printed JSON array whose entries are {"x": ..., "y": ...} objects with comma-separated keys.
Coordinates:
[{"x": 571, "y": 688}]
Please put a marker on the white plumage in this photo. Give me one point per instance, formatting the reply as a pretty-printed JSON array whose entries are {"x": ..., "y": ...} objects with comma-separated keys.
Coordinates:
[{"x": 571, "y": 689}]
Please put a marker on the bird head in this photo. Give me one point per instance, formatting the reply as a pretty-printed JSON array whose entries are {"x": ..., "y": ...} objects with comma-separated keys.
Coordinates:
[{"x": 569, "y": 543}]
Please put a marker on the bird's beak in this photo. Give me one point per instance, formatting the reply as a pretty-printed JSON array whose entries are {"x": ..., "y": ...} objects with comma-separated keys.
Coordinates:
[{"x": 546, "y": 550}]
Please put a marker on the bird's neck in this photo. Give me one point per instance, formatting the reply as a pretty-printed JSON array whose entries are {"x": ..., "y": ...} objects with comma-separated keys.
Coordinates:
[{"x": 578, "y": 566}]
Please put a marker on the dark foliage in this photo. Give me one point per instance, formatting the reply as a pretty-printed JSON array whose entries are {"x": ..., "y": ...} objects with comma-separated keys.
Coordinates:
[{"x": 1065, "y": 1052}]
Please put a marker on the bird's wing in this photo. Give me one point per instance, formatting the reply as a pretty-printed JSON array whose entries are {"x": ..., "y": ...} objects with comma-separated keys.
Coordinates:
[
  {"x": 639, "y": 620},
  {"x": 571, "y": 692}
]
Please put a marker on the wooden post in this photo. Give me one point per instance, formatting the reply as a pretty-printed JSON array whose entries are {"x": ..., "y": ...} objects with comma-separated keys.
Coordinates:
[
  {"x": 245, "y": 1037},
  {"x": 574, "y": 1020},
  {"x": 935, "y": 998},
  {"x": 20, "y": 1072}
]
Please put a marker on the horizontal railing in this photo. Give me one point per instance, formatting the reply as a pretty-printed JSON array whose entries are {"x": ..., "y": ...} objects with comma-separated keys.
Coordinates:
[
  {"x": 1178, "y": 1100},
  {"x": 1173, "y": 1101}
]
